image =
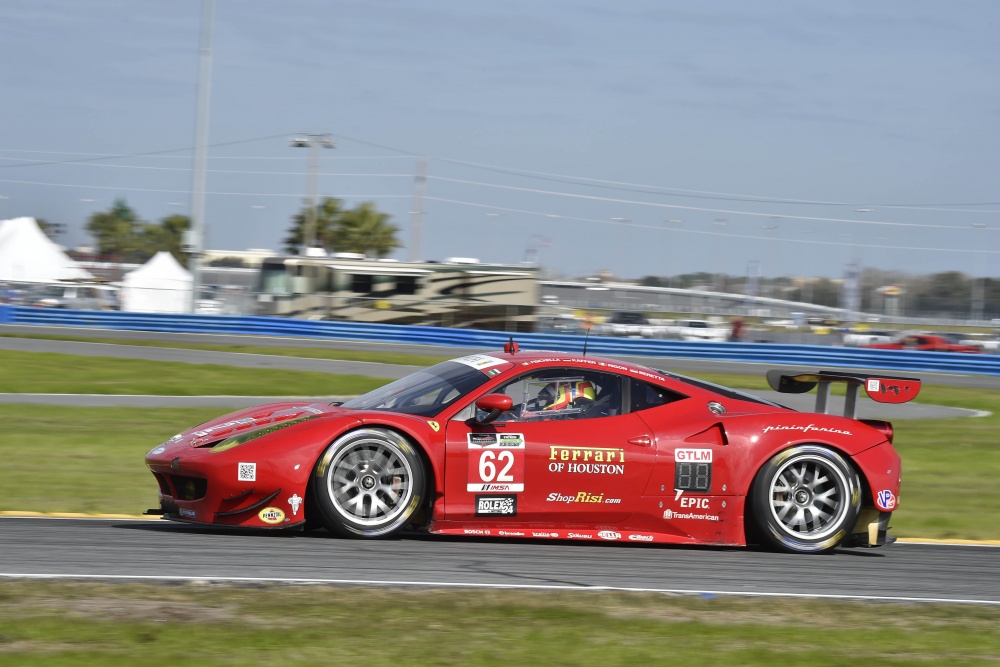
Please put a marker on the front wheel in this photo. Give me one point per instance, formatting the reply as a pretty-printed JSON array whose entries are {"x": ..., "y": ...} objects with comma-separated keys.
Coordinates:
[
  {"x": 806, "y": 499},
  {"x": 368, "y": 483}
]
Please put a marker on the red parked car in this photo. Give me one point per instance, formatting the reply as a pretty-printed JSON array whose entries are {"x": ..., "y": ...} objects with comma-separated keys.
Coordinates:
[
  {"x": 926, "y": 342},
  {"x": 550, "y": 445}
]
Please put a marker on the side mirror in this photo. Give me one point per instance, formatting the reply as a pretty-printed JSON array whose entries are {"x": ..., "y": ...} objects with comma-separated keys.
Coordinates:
[{"x": 493, "y": 405}]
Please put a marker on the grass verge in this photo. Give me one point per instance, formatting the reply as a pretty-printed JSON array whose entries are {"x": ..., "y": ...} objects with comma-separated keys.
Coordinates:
[
  {"x": 100, "y": 624},
  {"x": 47, "y": 373},
  {"x": 395, "y": 358}
]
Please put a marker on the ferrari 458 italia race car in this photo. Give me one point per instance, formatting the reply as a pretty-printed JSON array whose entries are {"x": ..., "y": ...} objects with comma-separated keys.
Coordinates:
[{"x": 550, "y": 445}]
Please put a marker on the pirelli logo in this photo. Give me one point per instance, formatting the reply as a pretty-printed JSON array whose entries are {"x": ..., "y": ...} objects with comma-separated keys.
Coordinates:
[{"x": 587, "y": 454}]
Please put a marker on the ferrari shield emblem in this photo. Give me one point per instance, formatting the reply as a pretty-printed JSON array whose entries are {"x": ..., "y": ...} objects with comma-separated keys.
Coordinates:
[{"x": 434, "y": 425}]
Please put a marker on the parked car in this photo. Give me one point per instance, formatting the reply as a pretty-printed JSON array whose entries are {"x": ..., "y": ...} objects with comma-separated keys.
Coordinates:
[
  {"x": 72, "y": 295},
  {"x": 554, "y": 446},
  {"x": 629, "y": 323},
  {"x": 866, "y": 336},
  {"x": 926, "y": 342},
  {"x": 697, "y": 330}
]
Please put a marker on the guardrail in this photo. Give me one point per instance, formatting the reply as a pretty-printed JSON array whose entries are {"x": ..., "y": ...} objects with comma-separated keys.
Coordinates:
[{"x": 768, "y": 353}]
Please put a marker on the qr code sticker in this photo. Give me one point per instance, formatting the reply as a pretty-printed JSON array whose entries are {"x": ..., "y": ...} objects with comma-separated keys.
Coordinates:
[{"x": 248, "y": 472}]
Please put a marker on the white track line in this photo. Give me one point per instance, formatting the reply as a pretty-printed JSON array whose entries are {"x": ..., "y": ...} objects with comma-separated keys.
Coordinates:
[{"x": 445, "y": 584}]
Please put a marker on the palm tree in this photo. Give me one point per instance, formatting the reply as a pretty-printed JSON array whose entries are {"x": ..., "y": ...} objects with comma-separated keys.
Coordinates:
[
  {"x": 328, "y": 214},
  {"x": 364, "y": 229}
]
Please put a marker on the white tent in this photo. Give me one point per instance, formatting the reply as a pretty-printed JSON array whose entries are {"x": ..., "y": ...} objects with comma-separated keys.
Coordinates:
[
  {"x": 27, "y": 255},
  {"x": 161, "y": 285}
]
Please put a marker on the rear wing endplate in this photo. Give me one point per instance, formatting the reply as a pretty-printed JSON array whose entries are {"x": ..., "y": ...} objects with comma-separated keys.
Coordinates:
[{"x": 881, "y": 388}]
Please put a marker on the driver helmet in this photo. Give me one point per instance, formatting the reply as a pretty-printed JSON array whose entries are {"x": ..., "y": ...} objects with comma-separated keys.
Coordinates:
[{"x": 560, "y": 395}]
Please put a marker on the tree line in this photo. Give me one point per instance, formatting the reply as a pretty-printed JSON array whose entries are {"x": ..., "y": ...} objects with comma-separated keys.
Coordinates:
[{"x": 119, "y": 233}]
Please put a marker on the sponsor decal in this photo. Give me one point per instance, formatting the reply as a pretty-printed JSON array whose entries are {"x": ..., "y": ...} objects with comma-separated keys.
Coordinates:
[
  {"x": 476, "y": 531},
  {"x": 295, "y": 501},
  {"x": 806, "y": 429},
  {"x": 591, "y": 362},
  {"x": 693, "y": 455},
  {"x": 609, "y": 535},
  {"x": 174, "y": 438},
  {"x": 235, "y": 440},
  {"x": 493, "y": 372},
  {"x": 224, "y": 427},
  {"x": 587, "y": 454},
  {"x": 511, "y": 440},
  {"x": 582, "y": 497},
  {"x": 271, "y": 515},
  {"x": 534, "y": 534},
  {"x": 496, "y": 505},
  {"x": 480, "y": 361},
  {"x": 496, "y": 462},
  {"x": 640, "y": 538},
  {"x": 872, "y": 385},
  {"x": 671, "y": 515},
  {"x": 247, "y": 472},
  {"x": 434, "y": 426},
  {"x": 580, "y": 536},
  {"x": 588, "y": 460},
  {"x": 482, "y": 440},
  {"x": 511, "y": 533},
  {"x": 697, "y": 503},
  {"x": 186, "y": 513},
  {"x": 158, "y": 450},
  {"x": 885, "y": 500},
  {"x": 494, "y": 488}
]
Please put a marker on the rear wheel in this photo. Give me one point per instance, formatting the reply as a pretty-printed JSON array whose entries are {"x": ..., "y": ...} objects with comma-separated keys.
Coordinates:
[
  {"x": 368, "y": 483},
  {"x": 806, "y": 499}
]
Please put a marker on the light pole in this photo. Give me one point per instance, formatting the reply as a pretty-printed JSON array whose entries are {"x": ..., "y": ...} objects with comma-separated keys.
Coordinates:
[
  {"x": 978, "y": 286},
  {"x": 720, "y": 281},
  {"x": 194, "y": 243},
  {"x": 313, "y": 141},
  {"x": 672, "y": 224}
]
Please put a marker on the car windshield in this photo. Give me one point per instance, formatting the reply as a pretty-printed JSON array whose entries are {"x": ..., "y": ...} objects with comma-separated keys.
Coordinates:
[{"x": 424, "y": 393}]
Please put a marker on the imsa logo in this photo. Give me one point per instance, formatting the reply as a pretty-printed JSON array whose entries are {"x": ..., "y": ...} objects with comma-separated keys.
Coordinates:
[{"x": 496, "y": 505}]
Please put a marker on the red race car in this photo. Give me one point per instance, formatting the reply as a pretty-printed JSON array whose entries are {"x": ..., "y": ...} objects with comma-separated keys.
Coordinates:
[
  {"x": 550, "y": 445},
  {"x": 926, "y": 342}
]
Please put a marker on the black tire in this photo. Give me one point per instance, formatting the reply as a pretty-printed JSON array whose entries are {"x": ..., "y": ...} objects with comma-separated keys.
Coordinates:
[
  {"x": 806, "y": 499},
  {"x": 368, "y": 483}
]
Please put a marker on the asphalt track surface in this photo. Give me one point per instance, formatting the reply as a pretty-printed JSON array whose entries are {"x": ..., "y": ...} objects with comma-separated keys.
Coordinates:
[
  {"x": 113, "y": 549},
  {"x": 165, "y": 551}
]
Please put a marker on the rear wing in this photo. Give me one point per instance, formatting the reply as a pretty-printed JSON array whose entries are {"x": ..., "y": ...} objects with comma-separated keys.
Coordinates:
[{"x": 881, "y": 388}]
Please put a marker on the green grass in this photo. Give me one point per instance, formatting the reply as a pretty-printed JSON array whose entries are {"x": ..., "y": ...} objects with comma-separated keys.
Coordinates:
[
  {"x": 388, "y": 357},
  {"x": 100, "y": 624},
  {"x": 45, "y": 373}
]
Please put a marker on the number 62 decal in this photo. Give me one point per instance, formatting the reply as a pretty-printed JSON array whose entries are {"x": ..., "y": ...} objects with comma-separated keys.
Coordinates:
[{"x": 496, "y": 462}]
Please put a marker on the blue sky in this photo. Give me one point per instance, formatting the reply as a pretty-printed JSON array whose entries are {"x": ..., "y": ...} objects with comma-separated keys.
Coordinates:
[{"x": 643, "y": 138}]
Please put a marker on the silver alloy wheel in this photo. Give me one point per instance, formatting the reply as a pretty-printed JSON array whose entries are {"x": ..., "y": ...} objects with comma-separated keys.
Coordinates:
[
  {"x": 809, "y": 497},
  {"x": 370, "y": 480}
]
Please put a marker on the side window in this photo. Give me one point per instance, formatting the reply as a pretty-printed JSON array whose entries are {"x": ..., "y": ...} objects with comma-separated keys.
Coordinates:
[
  {"x": 643, "y": 395},
  {"x": 564, "y": 393}
]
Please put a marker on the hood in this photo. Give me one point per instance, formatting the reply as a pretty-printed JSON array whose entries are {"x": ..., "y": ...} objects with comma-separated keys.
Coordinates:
[{"x": 269, "y": 417}]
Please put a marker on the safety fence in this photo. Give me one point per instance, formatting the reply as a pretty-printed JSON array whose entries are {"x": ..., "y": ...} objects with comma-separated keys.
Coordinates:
[{"x": 767, "y": 353}]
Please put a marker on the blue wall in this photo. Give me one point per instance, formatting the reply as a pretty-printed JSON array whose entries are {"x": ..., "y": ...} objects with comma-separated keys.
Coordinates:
[{"x": 772, "y": 353}]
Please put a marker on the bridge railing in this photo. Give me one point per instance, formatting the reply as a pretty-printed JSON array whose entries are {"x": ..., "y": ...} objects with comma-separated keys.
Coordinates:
[{"x": 769, "y": 353}]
